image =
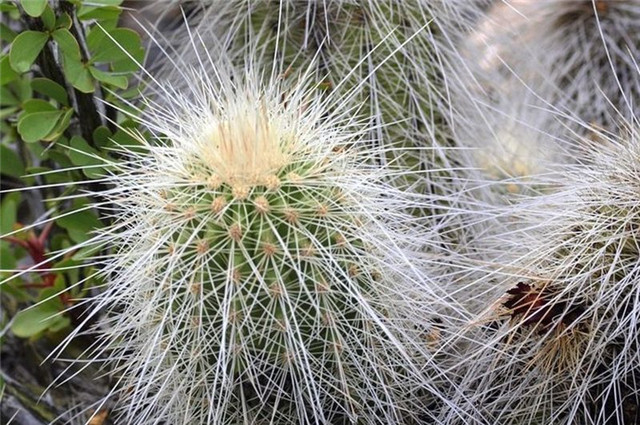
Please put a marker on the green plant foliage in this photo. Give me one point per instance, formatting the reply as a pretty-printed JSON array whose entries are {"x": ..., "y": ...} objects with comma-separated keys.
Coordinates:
[
  {"x": 79, "y": 224},
  {"x": 120, "y": 81},
  {"x": 10, "y": 162},
  {"x": 34, "y": 7},
  {"x": 102, "y": 10},
  {"x": 64, "y": 70},
  {"x": 120, "y": 47},
  {"x": 74, "y": 69},
  {"x": 37, "y": 125},
  {"x": 48, "y": 18},
  {"x": 7, "y": 74},
  {"x": 51, "y": 89},
  {"x": 39, "y": 318},
  {"x": 8, "y": 211},
  {"x": 6, "y": 33},
  {"x": 26, "y": 48}
]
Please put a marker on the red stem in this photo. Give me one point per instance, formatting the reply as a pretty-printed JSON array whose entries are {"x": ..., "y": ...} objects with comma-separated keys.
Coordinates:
[
  {"x": 42, "y": 239},
  {"x": 16, "y": 241}
]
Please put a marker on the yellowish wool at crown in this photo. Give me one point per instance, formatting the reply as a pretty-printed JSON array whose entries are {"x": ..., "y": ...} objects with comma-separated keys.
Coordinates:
[{"x": 246, "y": 148}]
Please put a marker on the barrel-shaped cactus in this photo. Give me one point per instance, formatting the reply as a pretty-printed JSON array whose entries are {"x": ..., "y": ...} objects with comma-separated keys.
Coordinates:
[
  {"x": 540, "y": 69},
  {"x": 563, "y": 337},
  {"x": 388, "y": 50},
  {"x": 262, "y": 267},
  {"x": 578, "y": 56}
]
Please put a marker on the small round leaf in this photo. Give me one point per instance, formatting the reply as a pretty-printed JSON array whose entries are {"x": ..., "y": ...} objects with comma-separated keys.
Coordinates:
[
  {"x": 10, "y": 162},
  {"x": 7, "y": 74},
  {"x": 36, "y": 319},
  {"x": 37, "y": 125},
  {"x": 25, "y": 49},
  {"x": 79, "y": 224},
  {"x": 50, "y": 88},
  {"x": 34, "y": 7}
]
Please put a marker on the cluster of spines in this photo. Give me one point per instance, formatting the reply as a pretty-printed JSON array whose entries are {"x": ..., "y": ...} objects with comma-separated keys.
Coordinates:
[
  {"x": 563, "y": 336},
  {"x": 209, "y": 229},
  {"x": 261, "y": 267}
]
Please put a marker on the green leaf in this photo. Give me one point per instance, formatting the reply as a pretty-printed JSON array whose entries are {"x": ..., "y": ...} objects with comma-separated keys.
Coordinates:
[
  {"x": 58, "y": 242},
  {"x": 61, "y": 126},
  {"x": 119, "y": 81},
  {"x": 66, "y": 264},
  {"x": 103, "y": 3},
  {"x": 34, "y": 7},
  {"x": 82, "y": 154},
  {"x": 10, "y": 162},
  {"x": 48, "y": 18},
  {"x": 26, "y": 48},
  {"x": 67, "y": 43},
  {"x": 6, "y": 33},
  {"x": 58, "y": 286},
  {"x": 7, "y": 132},
  {"x": 59, "y": 323},
  {"x": 7, "y": 74},
  {"x": 78, "y": 75},
  {"x": 109, "y": 24},
  {"x": 63, "y": 21},
  {"x": 37, "y": 125},
  {"x": 37, "y": 170},
  {"x": 60, "y": 178},
  {"x": 8, "y": 98},
  {"x": 86, "y": 252},
  {"x": 74, "y": 69},
  {"x": 37, "y": 319},
  {"x": 8, "y": 7},
  {"x": 101, "y": 136},
  {"x": 126, "y": 136},
  {"x": 116, "y": 45},
  {"x": 23, "y": 89},
  {"x": 99, "y": 13},
  {"x": 37, "y": 105},
  {"x": 79, "y": 225},
  {"x": 7, "y": 259},
  {"x": 50, "y": 88},
  {"x": 7, "y": 112},
  {"x": 124, "y": 95},
  {"x": 9, "y": 212},
  {"x": 62, "y": 159},
  {"x": 14, "y": 289}
]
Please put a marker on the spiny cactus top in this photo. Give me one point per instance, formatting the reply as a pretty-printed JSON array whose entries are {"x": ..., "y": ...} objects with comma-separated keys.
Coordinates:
[
  {"x": 540, "y": 69},
  {"x": 386, "y": 47},
  {"x": 261, "y": 268},
  {"x": 564, "y": 336}
]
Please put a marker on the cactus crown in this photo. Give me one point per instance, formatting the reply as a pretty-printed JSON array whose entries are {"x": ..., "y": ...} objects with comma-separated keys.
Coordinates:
[{"x": 258, "y": 251}]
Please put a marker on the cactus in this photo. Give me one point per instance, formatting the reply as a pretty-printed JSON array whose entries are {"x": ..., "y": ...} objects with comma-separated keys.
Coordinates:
[
  {"x": 262, "y": 267},
  {"x": 384, "y": 53},
  {"x": 577, "y": 56},
  {"x": 564, "y": 336},
  {"x": 554, "y": 337},
  {"x": 539, "y": 69}
]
